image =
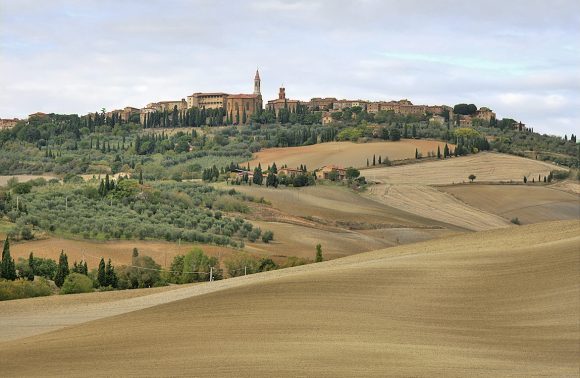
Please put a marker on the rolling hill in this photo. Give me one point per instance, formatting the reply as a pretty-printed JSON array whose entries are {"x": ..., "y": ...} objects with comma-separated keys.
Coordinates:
[{"x": 495, "y": 303}]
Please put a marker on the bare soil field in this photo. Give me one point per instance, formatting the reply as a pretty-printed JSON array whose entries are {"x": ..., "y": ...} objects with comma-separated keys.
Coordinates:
[
  {"x": 301, "y": 241},
  {"x": 427, "y": 201},
  {"x": 496, "y": 303},
  {"x": 487, "y": 166},
  {"x": 336, "y": 205},
  {"x": 346, "y": 154},
  {"x": 530, "y": 204},
  {"x": 119, "y": 251},
  {"x": 342, "y": 221}
]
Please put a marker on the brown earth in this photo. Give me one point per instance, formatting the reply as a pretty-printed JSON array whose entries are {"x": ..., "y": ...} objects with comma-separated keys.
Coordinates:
[
  {"x": 346, "y": 154},
  {"x": 430, "y": 202},
  {"x": 497, "y": 303},
  {"x": 529, "y": 203},
  {"x": 119, "y": 251},
  {"x": 342, "y": 221}
]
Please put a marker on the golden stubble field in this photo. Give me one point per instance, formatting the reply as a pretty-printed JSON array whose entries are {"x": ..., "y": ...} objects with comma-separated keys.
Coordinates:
[
  {"x": 413, "y": 188},
  {"x": 346, "y": 154},
  {"x": 487, "y": 166},
  {"x": 496, "y": 303}
]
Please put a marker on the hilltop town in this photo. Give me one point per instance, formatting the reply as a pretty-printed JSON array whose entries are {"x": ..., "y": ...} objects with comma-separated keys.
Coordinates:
[{"x": 221, "y": 108}]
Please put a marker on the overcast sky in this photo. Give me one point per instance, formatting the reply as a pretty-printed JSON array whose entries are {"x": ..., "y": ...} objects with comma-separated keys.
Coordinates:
[{"x": 520, "y": 58}]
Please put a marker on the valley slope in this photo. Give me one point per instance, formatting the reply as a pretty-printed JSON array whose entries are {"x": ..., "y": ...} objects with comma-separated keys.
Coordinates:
[{"x": 501, "y": 302}]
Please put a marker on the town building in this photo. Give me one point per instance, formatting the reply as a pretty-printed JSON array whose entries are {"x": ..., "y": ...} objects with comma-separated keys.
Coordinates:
[
  {"x": 143, "y": 113},
  {"x": 240, "y": 107},
  {"x": 437, "y": 120},
  {"x": 326, "y": 118},
  {"x": 168, "y": 106},
  {"x": 282, "y": 102},
  {"x": 317, "y": 103},
  {"x": 6, "y": 124},
  {"x": 207, "y": 100},
  {"x": 125, "y": 113},
  {"x": 519, "y": 126},
  {"x": 465, "y": 121},
  {"x": 485, "y": 114},
  {"x": 343, "y": 104}
]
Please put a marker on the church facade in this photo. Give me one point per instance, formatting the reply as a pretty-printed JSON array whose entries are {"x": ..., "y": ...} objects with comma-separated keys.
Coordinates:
[{"x": 241, "y": 107}]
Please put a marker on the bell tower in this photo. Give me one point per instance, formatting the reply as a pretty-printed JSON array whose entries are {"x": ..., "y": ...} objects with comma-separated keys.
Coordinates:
[{"x": 257, "y": 84}]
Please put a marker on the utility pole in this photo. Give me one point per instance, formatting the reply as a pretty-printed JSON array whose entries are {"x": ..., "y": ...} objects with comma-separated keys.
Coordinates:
[
  {"x": 17, "y": 203},
  {"x": 245, "y": 270},
  {"x": 210, "y": 273}
]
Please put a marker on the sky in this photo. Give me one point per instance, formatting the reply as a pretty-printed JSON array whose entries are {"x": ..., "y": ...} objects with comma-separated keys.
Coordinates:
[{"x": 519, "y": 58}]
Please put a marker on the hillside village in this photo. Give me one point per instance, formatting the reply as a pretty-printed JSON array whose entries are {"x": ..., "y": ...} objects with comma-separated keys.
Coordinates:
[{"x": 220, "y": 108}]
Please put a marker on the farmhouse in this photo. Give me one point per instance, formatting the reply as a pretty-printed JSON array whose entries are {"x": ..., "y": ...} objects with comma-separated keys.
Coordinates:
[
  {"x": 324, "y": 172},
  {"x": 290, "y": 172}
]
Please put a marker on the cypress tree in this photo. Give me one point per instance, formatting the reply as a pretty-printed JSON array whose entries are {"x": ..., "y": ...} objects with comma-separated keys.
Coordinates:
[
  {"x": 110, "y": 275},
  {"x": 374, "y": 160},
  {"x": 438, "y": 152},
  {"x": 8, "y": 268},
  {"x": 101, "y": 274},
  {"x": 31, "y": 266},
  {"x": 318, "y": 253},
  {"x": 62, "y": 269},
  {"x": 446, "y": 151},
  {"x": 416, "y": 153}
]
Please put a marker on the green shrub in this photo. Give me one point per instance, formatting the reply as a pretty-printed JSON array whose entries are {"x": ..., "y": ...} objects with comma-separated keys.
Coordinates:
[
  {"x": 23, "y": 289},
  {"x": 560, "y": 175},
  {"x": 76, "y": 283},
  {"x": 268, "y": 236}
]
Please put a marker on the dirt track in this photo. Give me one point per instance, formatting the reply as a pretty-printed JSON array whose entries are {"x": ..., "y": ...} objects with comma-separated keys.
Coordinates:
[{"x": 497, "y": 303}]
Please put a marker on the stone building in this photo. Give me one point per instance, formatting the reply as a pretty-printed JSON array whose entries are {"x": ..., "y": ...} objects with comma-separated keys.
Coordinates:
[
  {"x": 6, "y": 124},
  {"x": 240, "y": 107},
  {"x": 317, "y": 103},
  {"x": 485, "y": 114},
  {"x": 125, "y": 113},
  {"x": 168, "y": 106},
  {"x": 282, "y": 102},
  {"x": 207, "y": 100},
  {"x": 326, "y": 118},
  {"x": 343, "y": 104}
]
